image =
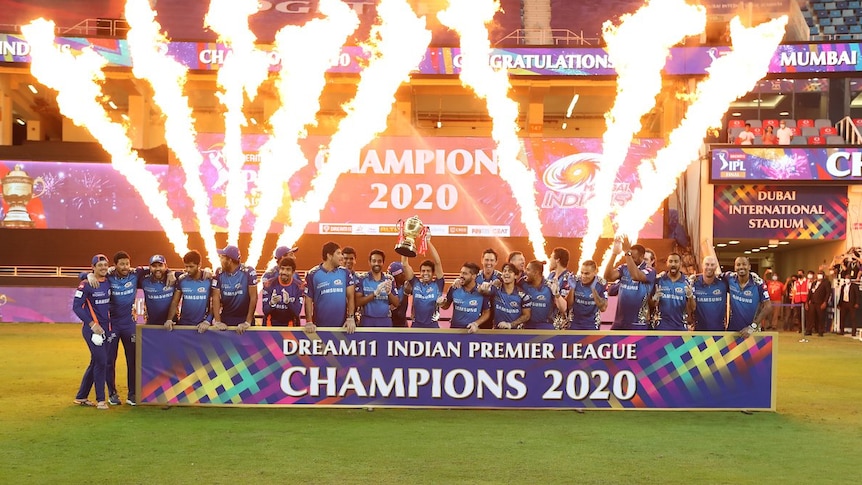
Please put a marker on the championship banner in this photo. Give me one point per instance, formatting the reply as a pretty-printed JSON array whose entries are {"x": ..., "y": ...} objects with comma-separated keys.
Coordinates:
[
  {"x": 842, "y": 165},
  {"x": 778, "y": 212},
  {"x": 452, "y": 183},
  {"x": 518, "y": 61},
  {"x": 452, "y": 369}
]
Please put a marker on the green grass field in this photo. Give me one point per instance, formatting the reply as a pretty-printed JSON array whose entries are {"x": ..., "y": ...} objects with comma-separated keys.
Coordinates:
[{"x": 815, "y": 437}]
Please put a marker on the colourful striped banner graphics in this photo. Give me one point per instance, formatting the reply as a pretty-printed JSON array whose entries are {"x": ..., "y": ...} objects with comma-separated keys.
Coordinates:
[{"x": 389, "y": 368}]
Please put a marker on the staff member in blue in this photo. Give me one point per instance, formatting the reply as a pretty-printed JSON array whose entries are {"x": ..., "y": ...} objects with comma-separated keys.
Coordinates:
[
  {"x": 749, "y": 299},
  {"x": 544, "y": 303},
  {"x": 375, "y": 292},
  {"x": 92, "y": 306},
  {"x": 512, "y": 306},
  {"x": 329, "y": 293},
  {"x": 234, "y": 292},
  {"x": 427, "y": 289},
  {"x": 637, "y": 278},
  {"x": 192, "y": 296},
  {"x": 587, "y": 299},
  {"x": 673, "y": 300},
  {"x": 471, "y": 307}
]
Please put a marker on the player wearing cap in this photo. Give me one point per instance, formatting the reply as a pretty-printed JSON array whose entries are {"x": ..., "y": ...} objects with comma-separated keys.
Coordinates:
[
  {"x": 192, "y": 295},
  {"x": 282, "y": 296},
  {"x": 92, "y": 306},
  {"x": 673, "y": 299},
  {"x": 472, "y": 308},
  {"x": 234, "y": 292},
  {"x": 272, "y": 272},
  {"x": 512, "y": 306},
  {"x": 329, "y": 292},
  {"x": 587, "y": 298},
  {"x": 158, "y": 291},
  {"x": 402, "y": 288},
  {"x": 427, "y": 289},
  {"x": 375, "y": 292}
]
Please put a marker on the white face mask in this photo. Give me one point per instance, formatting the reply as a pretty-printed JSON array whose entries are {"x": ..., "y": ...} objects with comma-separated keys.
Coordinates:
[
  {"x": 810, "y": 277},
  {"x": 775, "y": 278},
  {"x": 819, "y": 276}
]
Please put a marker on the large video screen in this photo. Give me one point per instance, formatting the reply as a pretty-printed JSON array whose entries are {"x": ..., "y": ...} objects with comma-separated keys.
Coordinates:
[{"x": 452, "y": 183}]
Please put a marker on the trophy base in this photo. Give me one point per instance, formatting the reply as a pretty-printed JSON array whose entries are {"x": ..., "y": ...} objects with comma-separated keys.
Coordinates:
[
  {"x": 9, "y": 222},
  {"x": 406, "y": 251}
]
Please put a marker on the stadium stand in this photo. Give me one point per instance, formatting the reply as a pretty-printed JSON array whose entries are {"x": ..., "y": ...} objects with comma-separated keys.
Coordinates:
[{"x": 832, "y": 20}]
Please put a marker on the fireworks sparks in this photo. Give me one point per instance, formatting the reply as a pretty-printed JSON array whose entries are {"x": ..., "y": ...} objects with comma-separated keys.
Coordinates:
[
  {"x": 311, "y": 46},
  {"x": 168, "y": 77},
  {"x": 469, "y": 18},
  {"x": 638, "y": 83},
  {"x": 77, "y": 82},
  {"x": 399, "y": 43},
  {"x": 242, "y": 73}
]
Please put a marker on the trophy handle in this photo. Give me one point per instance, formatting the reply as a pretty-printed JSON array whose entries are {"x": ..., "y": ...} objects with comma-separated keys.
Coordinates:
[{"x": 44, "y": 186}]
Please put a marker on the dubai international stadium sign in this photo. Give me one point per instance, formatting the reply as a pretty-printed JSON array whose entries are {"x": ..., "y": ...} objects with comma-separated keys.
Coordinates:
[{"x": 452, "y": 369}]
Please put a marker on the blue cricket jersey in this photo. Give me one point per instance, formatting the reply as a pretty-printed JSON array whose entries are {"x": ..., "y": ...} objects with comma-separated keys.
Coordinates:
[
  {"x": 585, "y": 314},
  {"x": 508, "y": 306},
  {"x": 632, "y": 303},
  {"x": 328, "y": 293},
  {"x": 195, "y": 300},
  {"x": 272, "y": 273},
  {"x": 282, "y": 304},
  {"x": 710, "y": 312},
  {"x": 379, "y": 306},
  {"x": 425, "y": 295},
  {"x": 124, "y": 291},
  {"x": 480, "y": 278},
  {"x": 234, "y": 293},
  {"x": 542, "y": 306},
  {"x": 744, "y": 300},
  {"x": 93, "y": 304},
  {"x": 670, "y": 311},
  {"x": 157, "y": 297},
  {"x": 467, "y": 306}
]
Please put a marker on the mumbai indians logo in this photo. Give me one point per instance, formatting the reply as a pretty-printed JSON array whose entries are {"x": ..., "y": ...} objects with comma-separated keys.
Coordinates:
[
  {"x": 202, "y": 290},
  {"x": 513, "y": 304},
  {"x": 473, "y": 302},
  {"x": 716, "y": 291},
  {"x": 128, "y": 284},
  {"x": 569, "y": 175}
]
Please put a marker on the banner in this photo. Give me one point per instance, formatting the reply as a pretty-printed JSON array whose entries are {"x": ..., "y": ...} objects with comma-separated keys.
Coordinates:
[
  {"x": 842, "y": 165},
  {"x": 779, "y": 212},
  {"x": 37, "y": 304},
  {"x": 518, "y": 61},
  {"x": 451, "y": 183},
  {"x": 452, "y": 369}
]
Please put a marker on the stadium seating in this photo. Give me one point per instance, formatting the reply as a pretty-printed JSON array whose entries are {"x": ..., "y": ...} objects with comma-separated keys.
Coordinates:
[
  {"x": 816, "y": 140},
  {"x": 821, "y": 122},
  {"x": 799, "y": 140},
  {"x": 804, "y": 122},
  {"x": 828, "y": 130},
  {"x": 805, "y": 130},
  {"x": 810, "y": 131},
  {"x": 835, "y": 140},
  {"x": 833, "y": 20},
  {"x": 736, "y": 123}
]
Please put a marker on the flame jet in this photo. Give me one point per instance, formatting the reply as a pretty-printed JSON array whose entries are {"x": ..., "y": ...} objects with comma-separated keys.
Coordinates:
[
  {"x": 399, "y": 42},
  {"x": 77, "y": 80},
  {"x": 638, "y": 48},
  {"x": 168, "y": 78},
  {"x": 469, "y": 18},
  {"x": 243, "y": 71},
  {"x": 730, "y": 76},
  {"x": 306, "y": 53}
]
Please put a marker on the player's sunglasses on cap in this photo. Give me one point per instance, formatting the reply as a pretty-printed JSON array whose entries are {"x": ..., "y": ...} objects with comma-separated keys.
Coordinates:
[
  {"x": 157, "y": 258},
  {"x": 98, "y": 258}
]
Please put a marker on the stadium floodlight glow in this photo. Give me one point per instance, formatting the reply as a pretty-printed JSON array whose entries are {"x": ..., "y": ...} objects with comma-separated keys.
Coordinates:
[
  {"x": 253, "y": 121},
  {"x": 721, "y": 245},
  {"x": 565, "y": 125},
  {"x": 112, "y": 104},
  {"x": 733, "y": 242},
  {"x": 20, "y": 121},
  {"x": 747, "y": 252},
  {"x": 773, "y": 245},
  {"x": 439, "y": 124},
  {"x": 784, "y": 113},
  {"x": 736, "y": 113},
  {"x": 784, "y": 243},
  {"x": 755, "y": 250},
  {"x": 32, "y": 89}
]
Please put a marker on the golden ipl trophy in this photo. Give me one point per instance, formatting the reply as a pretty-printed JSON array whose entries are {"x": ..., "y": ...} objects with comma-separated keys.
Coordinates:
[
  {"x": 409, "y": 232},
  {"x": 18, "y": 188}
]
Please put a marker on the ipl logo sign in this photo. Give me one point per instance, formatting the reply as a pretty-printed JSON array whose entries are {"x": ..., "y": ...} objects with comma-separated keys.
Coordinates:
[{"x": 730, "y": 167}]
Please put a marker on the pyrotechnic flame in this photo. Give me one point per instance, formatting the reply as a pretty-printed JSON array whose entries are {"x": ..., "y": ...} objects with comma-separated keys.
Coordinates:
[
  {"x": 243, "y": 71},
  {"x": 638, "y": 48},
  {"x": 77, "y": 81},
  {"x": 168, "y": 77},
  {"x": 399, "y": 42},
  {"x": 469, "y": 18},
  {"x": 730, "y": 76},
  {"x": 312, "y": 46}
]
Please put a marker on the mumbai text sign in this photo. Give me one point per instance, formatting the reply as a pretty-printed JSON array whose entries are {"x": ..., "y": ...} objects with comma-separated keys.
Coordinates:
[{"x": 452, "y": 369}]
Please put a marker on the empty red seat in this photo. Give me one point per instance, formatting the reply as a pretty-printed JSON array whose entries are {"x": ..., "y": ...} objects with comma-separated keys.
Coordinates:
[
  {"x": 796, "y": 131},
  {"x": 772, "y": 123},
  {"x": 857, "y": 121},
  {"x": 828, "y": 130},
  {"x": 736, "y": 123},
  {"x": 804, "y": 123},
  {"x": 816, "y": 140}
]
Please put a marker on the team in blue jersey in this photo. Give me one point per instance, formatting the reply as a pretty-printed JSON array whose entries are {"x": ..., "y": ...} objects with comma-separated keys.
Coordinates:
[
  {"x": 673, "y": 299},
  {"x": 587, "y": 298},
  {"x": 427, "y": 288},
  {"x": 282, "y": 296},
  {"x": 511, "y": 304},
  {"x": 375, "y": 293},
  {"x": 637, "y": 278},
  {"x": 92, "y": 306},
  {"x": 234, "y": 292}
]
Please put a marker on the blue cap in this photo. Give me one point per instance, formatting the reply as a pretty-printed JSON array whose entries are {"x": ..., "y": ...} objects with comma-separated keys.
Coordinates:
[
  {"x": 231, "y": 252},
  {"x": 157, "y": 258},
  {"x": 396, "y": 268},
  {"x": 99, "y": 257},
  {"x": 283, "y": 251}
]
